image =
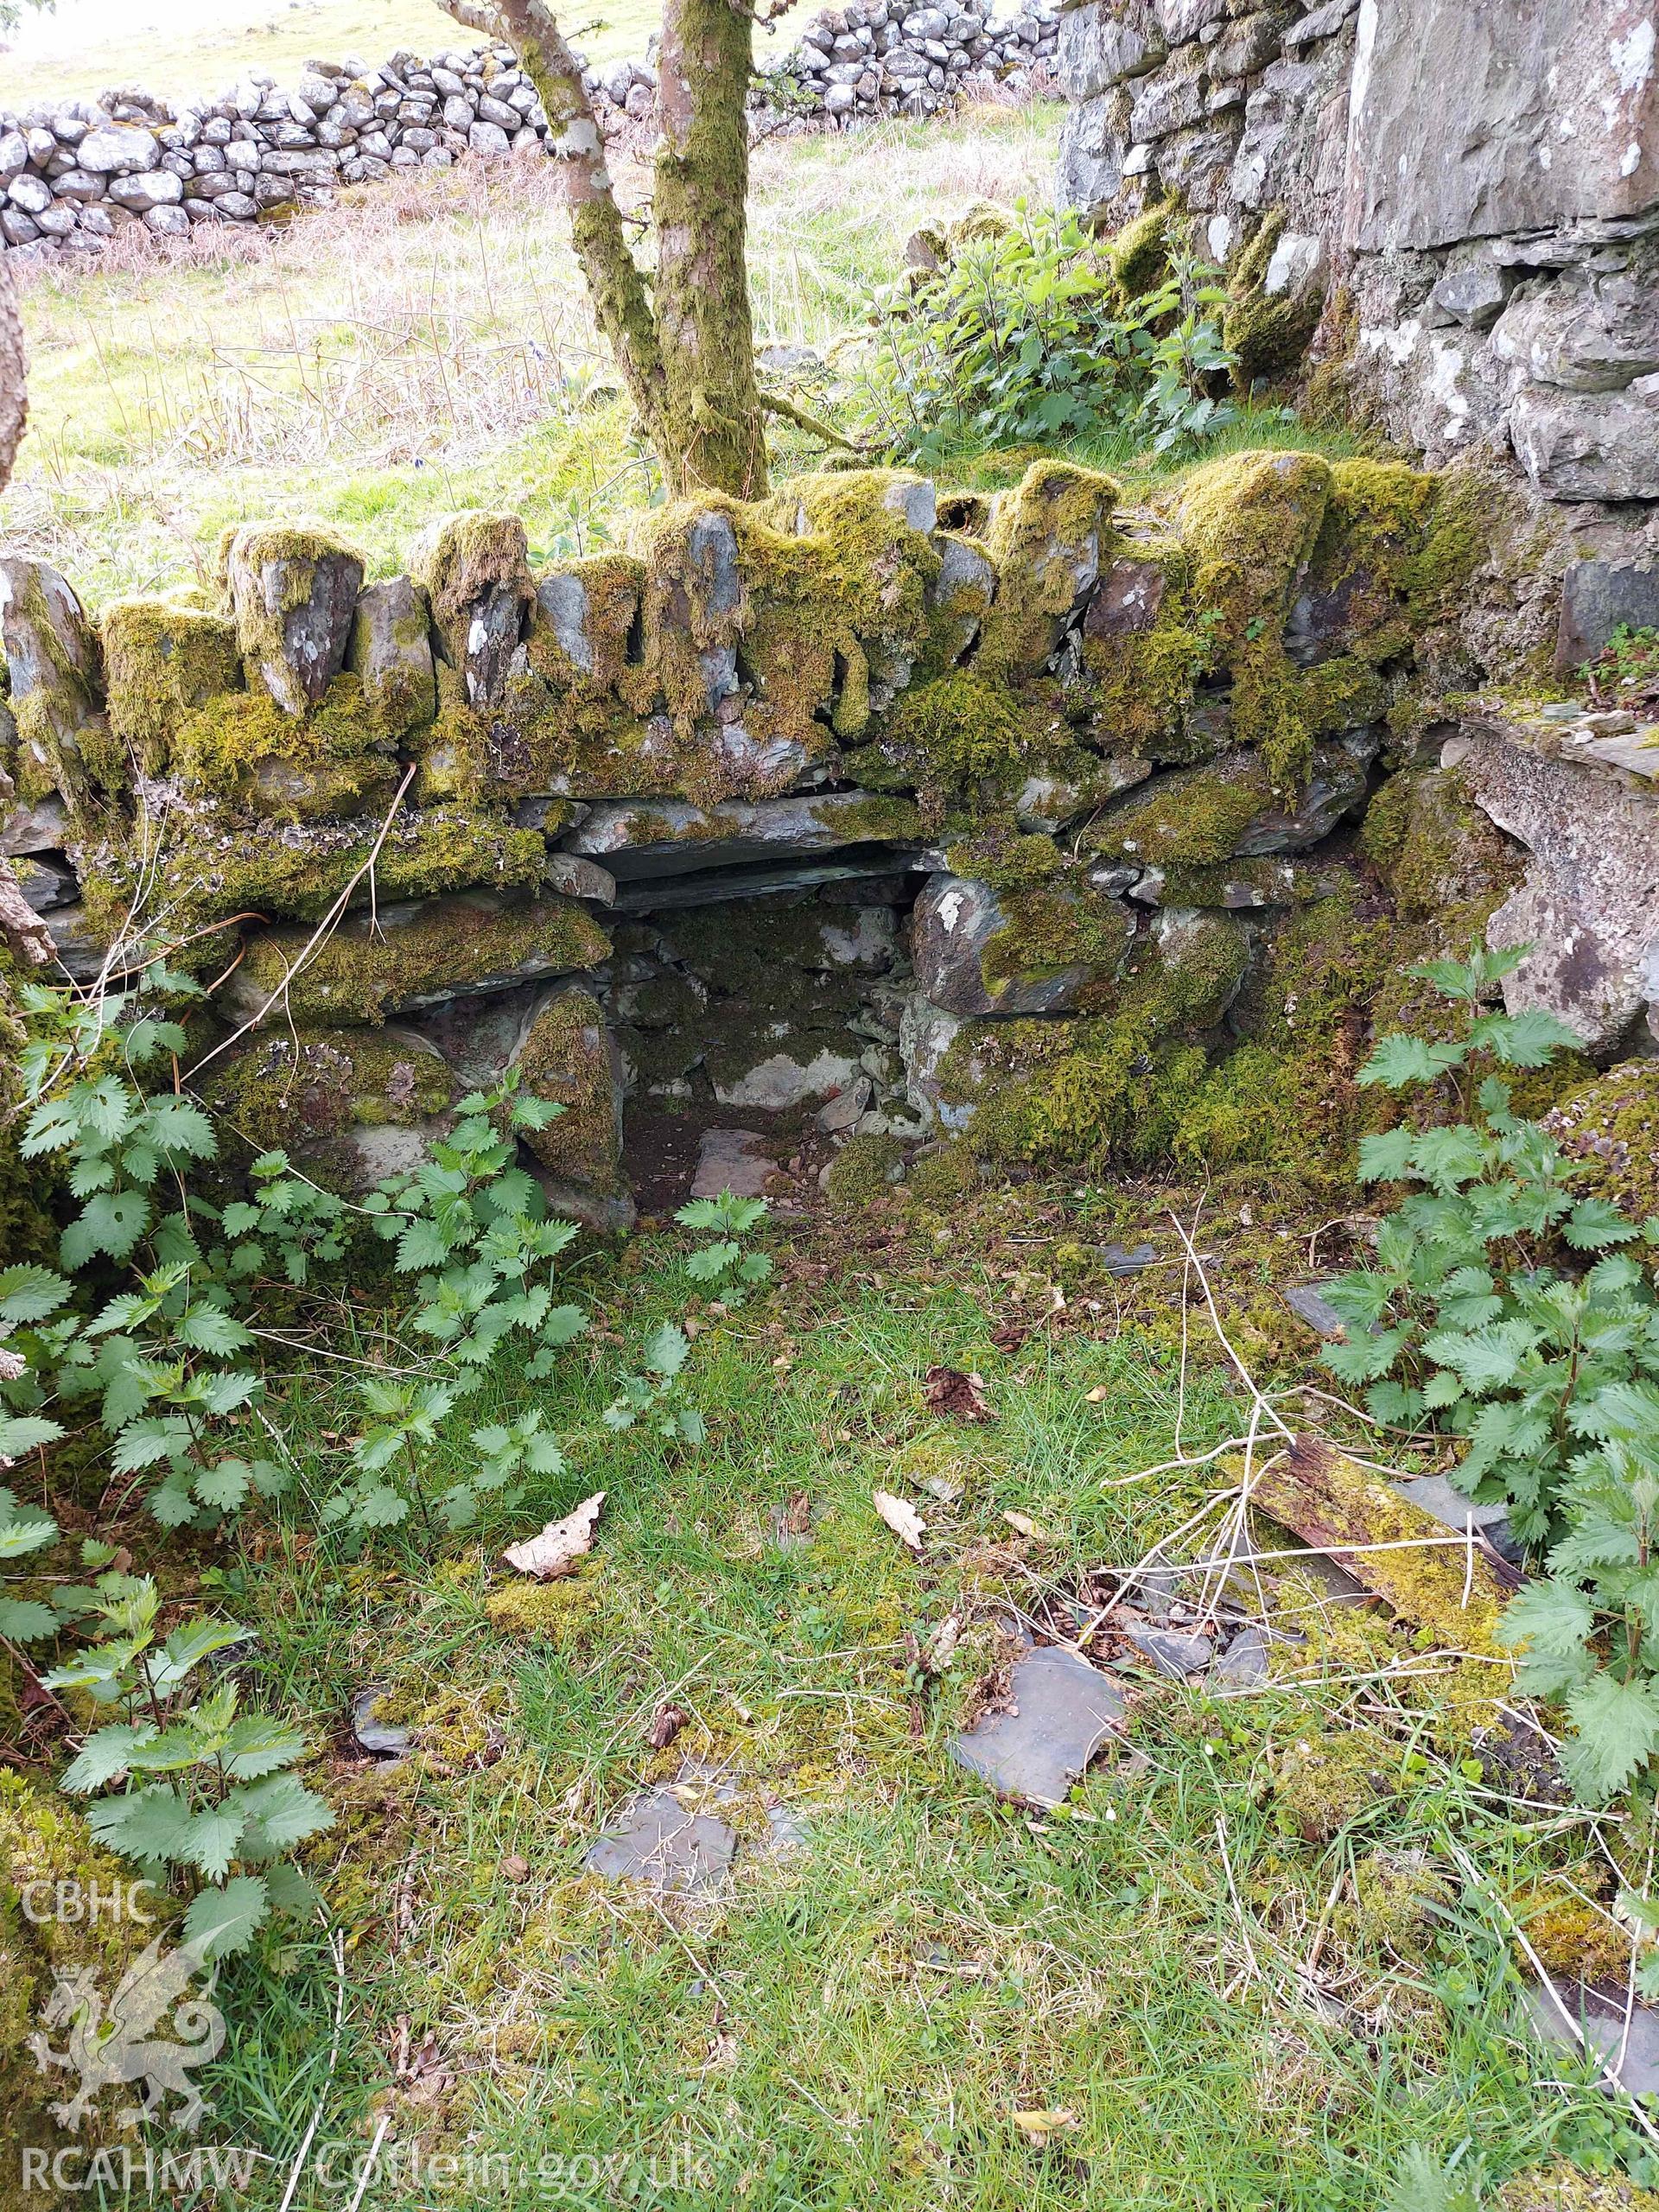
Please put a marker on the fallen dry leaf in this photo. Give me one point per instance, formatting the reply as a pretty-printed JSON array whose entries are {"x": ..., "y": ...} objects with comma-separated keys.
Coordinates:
[
  {"x": 666, "y": 1726},
  {"x": 942, "y": 1644},
  {"x": 1026, "y": 1526},
  {"x": 515, "y": 1869},
  {"x": 560, "y": 1545},
  {"x": 948, "y": 1390},
  {"x": 1098, "y": 1396},
  {"x": 1040, "y": 2126},
  {"x": 797, "y": 1514},
  {"x": 906, "y": 1523}
]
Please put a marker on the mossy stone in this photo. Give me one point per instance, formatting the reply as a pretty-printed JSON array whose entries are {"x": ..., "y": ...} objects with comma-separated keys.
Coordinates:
[{"x": 162, "y": 662}]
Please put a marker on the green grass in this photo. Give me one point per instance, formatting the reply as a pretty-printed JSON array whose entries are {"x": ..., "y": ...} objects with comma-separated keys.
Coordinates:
[
  {"x": 857, "y": 2023},
  {"x": 196, "y": 57}
]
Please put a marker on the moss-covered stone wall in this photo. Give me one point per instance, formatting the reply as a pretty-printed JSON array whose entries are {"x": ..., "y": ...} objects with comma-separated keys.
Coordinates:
[{"x": 1054, "y": 823}]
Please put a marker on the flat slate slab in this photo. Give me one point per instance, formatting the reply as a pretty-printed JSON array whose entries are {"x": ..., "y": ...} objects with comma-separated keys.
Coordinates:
[
  {"x": 656, "y": 1840},
  {"x": 1437, "y": 1495},
  {"x": 1600, "y": 2013},
  {"x": 1066, "y": 1709},
  {"x": 732, "y": 1160}
]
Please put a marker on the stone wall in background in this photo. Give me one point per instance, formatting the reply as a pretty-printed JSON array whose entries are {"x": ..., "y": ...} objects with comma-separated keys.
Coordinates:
[
  {"x": 1073, "y": 830},
  {"x": 76, "y": 173},
  {"x": 1469, "y": 192}
]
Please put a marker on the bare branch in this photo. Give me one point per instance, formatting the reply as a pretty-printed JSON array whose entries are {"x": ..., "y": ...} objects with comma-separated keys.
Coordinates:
[{"x": 476, "y": 14}]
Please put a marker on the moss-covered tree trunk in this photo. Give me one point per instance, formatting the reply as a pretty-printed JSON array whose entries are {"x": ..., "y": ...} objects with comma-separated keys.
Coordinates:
[{"x": 682, "y": 335}]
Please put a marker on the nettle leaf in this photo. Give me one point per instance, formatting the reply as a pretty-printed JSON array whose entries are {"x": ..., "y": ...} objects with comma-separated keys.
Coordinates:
[
  {"x": 103, "y": 1757},
  {"x": 1618, "y": 1725},
  {"x": 28, "y": 1294},
  {"x": 111, "y": 1222},
  {"x": 1386, "y": 1158},
  {"x": 1400, "y": 1061},
  {"x": 23, "y": 1529},
  {"x": 1365, "y": 1358},
  {"x": 1549, "y": 1616},
  {"x": 209, "y": 1842},
  {"x": 21, "y": 1433},
  {"x": 150, "y": 1823},
  {"x": 281, "y": 1813},
  {"x": 207, "y": 1328},
  {"x": 665, "y": 1351},
  {"x": 1485, "y": 1359},
  {"x": 1593, "y": 1224},
  {"x": 177, "y": 1125},
  {"x": 24, "y": 1620},
  {"x": 226, "y": 1920},
  {"x": 1528, "y": 1039}
]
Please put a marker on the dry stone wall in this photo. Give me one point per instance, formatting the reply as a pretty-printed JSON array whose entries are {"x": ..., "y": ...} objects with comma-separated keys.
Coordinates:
[
  {"x": 1084, "y": 832},
  {"x": 74, "y": 173},
  {"x": 1469, "y": 195}
]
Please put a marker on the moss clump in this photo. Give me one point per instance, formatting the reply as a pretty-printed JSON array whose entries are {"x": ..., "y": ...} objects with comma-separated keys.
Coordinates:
[
  {"x": 420, "y": 954},
  {"x": 565, "y": 1057},
  {"x": 1319, "y": 1787},
  {"x": 243, "y": 749},
  {"x": 391, "y": 655},
  {"x": 1052, "y": 928},
  {"x": 565, "y": 1613},
  {"x": 1611, "y": 1126},
  {"x": 1432, "y": 845},
  {"x": 162, "y": 662},
  {"x": 1268, "y": 333},
  {"x": 955, "y": 731},
  {"x": 1049, "y": 539},
  {"x": 1561, "y": 2188},
  {"x": 1085, "y": 1089},
  {"x": 1143, "y": 679},
  {"x": 942, "y": 1177},
  {"x": 864, "y": 1169},
  {"x": 1139, "y": 254},
  {"x": 596, "y": 601},
  {"x": 292, "y": 1085},
  {"x": 1006, "y": 858},
  {"x": 271, "y": 571},
  {"x": 1252, "y": 521},
  {"x": 43, "y": 1841},
  {"x": 1570, "y": 1935},
  {"x": 1192, "y": 817}
]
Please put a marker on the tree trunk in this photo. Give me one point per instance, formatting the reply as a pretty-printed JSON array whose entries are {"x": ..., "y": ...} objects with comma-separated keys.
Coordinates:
[
  {"x": 701, "y": 208},
  {"x": 19, "y": 927},
  {"x": 683, "y": 338}
]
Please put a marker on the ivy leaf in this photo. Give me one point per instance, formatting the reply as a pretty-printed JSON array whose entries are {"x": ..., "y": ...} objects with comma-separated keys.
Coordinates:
[{"x": 221, "y": 1921}]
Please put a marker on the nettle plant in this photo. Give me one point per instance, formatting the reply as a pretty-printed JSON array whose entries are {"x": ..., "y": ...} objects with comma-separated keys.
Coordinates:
[
  {"x": 206, "y": 1791},
  {"x": 1506, "y": 1308},
  {"x": 1024, "y": 335}
]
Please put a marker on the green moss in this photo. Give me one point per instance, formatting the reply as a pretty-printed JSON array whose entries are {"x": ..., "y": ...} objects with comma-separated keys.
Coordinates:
[
  {"x": 1321, "y": 1787},
  {"x": 162, "y": 662},
  {"x": 1433, "y": 846},
  {"x": 864, "y": 1169},
  {"x": 955, "y": 731},
  {"x": 1006, "y": 858},
  {"x": 1082, "y": 1090},
  {"x": 566, "y": 1058},
  {"x": 1049, "y": 539},
  {"x": 242, "y": 747},
  {"x": 1192, "y": 815},
  {"x": 289, "y": 1085},
  {"x": 1268, "y": 333},
  {"x": 565, "y": 1613},
  {"x": 941, "y": 1178},
  {"x": 361, "y": 974},
  {"x": 1139, "y": 255},
  {"x": 1052, "y": 927},
  {"x": 1559, "y": 2187},
  {"x": 610, "y": 586},
  {"x": 400, "y": 695},
  {"x": 1611, "y": 1126}
]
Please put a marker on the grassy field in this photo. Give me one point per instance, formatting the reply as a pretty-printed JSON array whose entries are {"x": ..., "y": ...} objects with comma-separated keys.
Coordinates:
[
  {"x": 184, "y": 54},
  {"x": 423, "y": 348},
  {"x": 1242, "y": 1961}
]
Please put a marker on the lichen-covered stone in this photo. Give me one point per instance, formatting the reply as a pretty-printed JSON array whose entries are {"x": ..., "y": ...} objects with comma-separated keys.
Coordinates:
[
  {"x": 670, "y": 837},
  {"x": 52, "y": 655},
  {"x": 324, "y": 759},
  {"x": 391, "y": 655},
  {"x": 474, "y": 569},
  {"x": 1049, "y": 538},
  {"x": 1611, "y": 1126},
  {"x": 1033, "y": 950},
  {"x": 290, "y": 1088},
  {"x": 293, "y": 592},
  {"x": 554, "y": 1037},
  {"x": 1227, "y": 809}
]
